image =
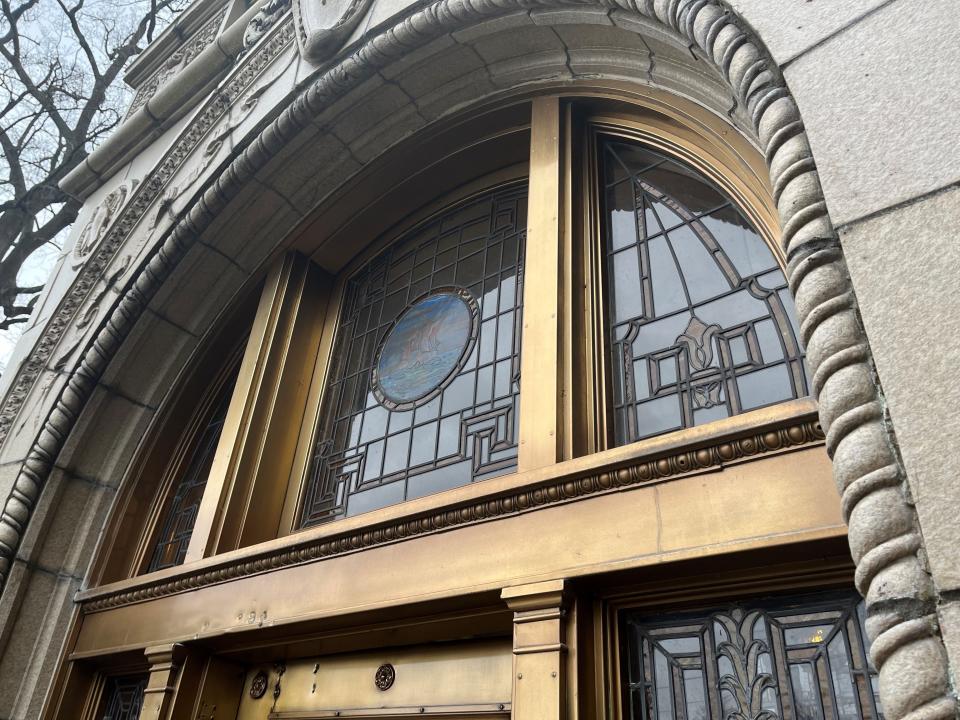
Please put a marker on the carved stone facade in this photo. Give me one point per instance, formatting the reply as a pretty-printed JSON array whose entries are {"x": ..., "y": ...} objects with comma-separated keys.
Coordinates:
[{"x": 122, "y": 316}]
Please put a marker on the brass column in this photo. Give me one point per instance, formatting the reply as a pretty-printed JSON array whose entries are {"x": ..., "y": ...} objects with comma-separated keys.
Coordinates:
[
  {"x": 539, "y": 680},
  {"x": 165, "y": 662}
]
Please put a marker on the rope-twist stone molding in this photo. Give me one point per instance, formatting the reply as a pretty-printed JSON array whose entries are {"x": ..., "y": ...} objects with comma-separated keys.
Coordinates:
[{"x": 883, "y": 532}]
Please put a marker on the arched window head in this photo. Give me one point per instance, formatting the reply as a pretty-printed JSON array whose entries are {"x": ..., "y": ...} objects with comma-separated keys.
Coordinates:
[{"x": 701, "y": 324}]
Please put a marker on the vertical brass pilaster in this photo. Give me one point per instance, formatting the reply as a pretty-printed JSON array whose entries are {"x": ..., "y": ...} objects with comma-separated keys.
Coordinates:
[
  {"x": 539, "y": 667},
  {"x": 165, "y": 663},
  {"x": 541, "y": 359}
]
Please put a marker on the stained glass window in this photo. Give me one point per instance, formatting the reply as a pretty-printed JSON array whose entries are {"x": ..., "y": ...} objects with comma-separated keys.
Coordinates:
[
  {"x": 805, "y": 658},
  {"x": 181, "y": 515},
  {"x": 424, "y": 380},
  {"x": 123, "y": 697},
  {"x": 702, "y": 325}
]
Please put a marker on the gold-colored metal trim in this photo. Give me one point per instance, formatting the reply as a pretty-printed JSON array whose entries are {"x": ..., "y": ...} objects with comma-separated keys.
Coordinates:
[
  {"x": 244, "y": 500},
  {"x": 438, "y": 712},
  {"x": 540, "y": 425},
  {"x": 655, "y": 460}
]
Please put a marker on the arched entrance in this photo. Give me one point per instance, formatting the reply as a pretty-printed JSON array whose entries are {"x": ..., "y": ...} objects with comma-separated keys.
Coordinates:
[{"x": 866, "y": 468}]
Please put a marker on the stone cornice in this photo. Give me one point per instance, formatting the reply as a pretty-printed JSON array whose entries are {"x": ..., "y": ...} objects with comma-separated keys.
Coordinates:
[{"x": 183, "y": 27}]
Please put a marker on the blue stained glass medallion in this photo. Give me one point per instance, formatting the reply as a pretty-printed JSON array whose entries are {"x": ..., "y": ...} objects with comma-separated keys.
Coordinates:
[{"x": 425, "y": 348}]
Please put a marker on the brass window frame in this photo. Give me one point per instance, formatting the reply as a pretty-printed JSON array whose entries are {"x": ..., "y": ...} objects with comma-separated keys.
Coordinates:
[
  {"x": 563, "y": 407},
  {"x": 589, "y": 421}
]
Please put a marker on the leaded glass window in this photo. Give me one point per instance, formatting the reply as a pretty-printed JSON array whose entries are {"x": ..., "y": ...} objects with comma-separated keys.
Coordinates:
[
  {"x": 805, "y": 658},
  {"x": 180, "y": 517},
  {"x": 424, "y": 382},
  {"x": 701, "y": 323},
  {"x": 123, "y": 697}
]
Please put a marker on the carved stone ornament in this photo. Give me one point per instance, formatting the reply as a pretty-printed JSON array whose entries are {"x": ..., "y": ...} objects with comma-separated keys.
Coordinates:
[
  {"x": 323, "y": 25},
  {"x": 265, "y": 18},
  {"x": 258, "y": 687},
  {"x": 384, "y": 677},
  {"x": 104, "y": 214}
]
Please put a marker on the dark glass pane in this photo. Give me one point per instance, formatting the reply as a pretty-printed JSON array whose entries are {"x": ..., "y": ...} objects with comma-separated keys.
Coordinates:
[
  {"x": 176, "y": 527},
  {"x": 123, "y": 697},
  {"x": 795, "y": 657},
  {"x": 430, "y": 333},
  {"x": 701, "y": 323}
]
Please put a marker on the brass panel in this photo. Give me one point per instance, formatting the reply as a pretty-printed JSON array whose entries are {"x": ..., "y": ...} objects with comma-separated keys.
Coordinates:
[
  {"x": 741, "y": 438},
  {"x": 698, "y": 511},
  {"x": 437, "y": 712},
  {"x": 245, "y": 498},
  {"x": 447, "y": 677},
  {"x": 616, "y": 530},
  {"x": 215, "y": 687}
]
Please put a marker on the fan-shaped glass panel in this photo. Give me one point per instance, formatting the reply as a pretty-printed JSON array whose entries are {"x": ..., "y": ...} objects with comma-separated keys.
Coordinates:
[
  {"x": 424, "y": 386},
  {"x": 702, "y": 325}
]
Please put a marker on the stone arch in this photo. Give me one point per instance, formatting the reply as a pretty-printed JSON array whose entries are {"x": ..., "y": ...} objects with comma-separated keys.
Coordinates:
[{"x": 884, "y": 536}]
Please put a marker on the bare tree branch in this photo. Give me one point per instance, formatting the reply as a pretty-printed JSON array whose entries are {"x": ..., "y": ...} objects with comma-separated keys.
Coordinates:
[{"x": 59, "y": 97}]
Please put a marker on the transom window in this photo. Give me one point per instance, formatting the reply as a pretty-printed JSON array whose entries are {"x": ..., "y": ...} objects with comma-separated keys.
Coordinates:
[{"x": 804, "y": 658}]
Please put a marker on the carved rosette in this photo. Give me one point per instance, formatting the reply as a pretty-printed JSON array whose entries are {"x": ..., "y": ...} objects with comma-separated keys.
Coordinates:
[{"x": 883, "y": 529}]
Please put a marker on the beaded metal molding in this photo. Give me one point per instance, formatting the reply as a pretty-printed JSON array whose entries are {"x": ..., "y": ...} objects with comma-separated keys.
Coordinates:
[
  {"x": 510, "y": 503},
  {"x": 883, "y": 528}
]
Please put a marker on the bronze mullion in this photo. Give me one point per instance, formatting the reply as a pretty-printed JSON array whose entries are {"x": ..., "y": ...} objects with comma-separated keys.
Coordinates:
[
  {"x": 244, "y": 500},
  {"x": 541, "y": 425},
  {"x": 598, "y": 388}
]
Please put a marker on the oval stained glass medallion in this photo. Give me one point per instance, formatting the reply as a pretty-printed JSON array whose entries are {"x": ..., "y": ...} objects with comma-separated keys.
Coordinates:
[{"x": 425, "y": 348}]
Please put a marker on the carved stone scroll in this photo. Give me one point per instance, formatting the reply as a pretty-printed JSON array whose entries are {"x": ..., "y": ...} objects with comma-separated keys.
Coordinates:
[
  {"x": 265, "y": 19},
  {"x": 883, "y": 527},
  {"x": 323, "y": 25}
]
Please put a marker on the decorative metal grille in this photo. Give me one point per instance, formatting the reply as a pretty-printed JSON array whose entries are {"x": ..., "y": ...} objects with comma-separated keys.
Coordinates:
[
  {"x": 447, "y": 295},
  {"x": 181, "y": 515},
  {"x": 805, "y": 659},
  {"x": 702, "y": 325},
  {"x": 124, "y": 697}
]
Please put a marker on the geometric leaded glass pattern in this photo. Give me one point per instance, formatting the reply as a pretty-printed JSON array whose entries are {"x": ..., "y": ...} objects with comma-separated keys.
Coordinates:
[
  {"x": 423, "y": 387},
  {"x": 805, "y": 658},
  {"x": 123, "y": 697},
  {"x": 702, "y": 325},
  {"x": 181, "y": 515}
]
